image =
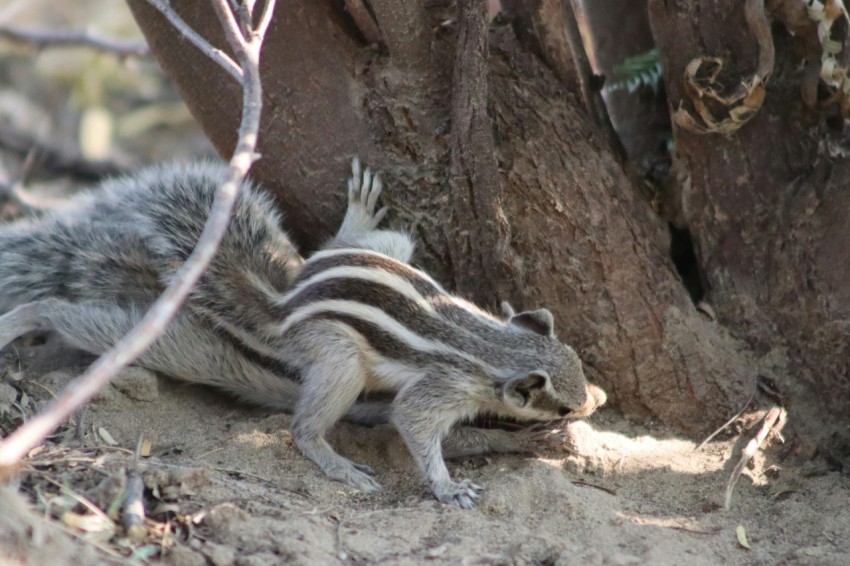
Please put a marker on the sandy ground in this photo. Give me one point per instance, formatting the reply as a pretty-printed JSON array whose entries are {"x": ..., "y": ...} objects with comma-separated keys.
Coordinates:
[{"x": 224, "y": 485}]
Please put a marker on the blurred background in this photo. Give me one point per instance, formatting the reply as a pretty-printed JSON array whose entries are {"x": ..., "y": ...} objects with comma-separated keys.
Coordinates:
[{"x": 83, "y": 111}]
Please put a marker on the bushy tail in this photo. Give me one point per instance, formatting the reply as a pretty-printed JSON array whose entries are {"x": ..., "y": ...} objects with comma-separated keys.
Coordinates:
[
  {"x": 25, "y": 264},
  {"x": 70, "y": 257}
]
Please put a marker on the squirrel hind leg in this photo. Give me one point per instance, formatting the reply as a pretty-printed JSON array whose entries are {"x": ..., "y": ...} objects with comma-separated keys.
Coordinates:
[
  {"x": 359, "y": 228},
  {"x": 87, "y": 326},
  {"x": 23, "y": 319},
  {"x": 330, "y": 386}
]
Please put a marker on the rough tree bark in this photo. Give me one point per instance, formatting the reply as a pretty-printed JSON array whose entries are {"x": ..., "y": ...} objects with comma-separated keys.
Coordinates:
[
  {"x": 768, "y": 205},
  {"x": 490, "y": 160}
]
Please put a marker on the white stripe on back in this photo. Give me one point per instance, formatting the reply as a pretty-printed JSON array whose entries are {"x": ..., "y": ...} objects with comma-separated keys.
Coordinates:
[
  {"x": 372, "y": 274},
  {"x": 383, "y": 321},
  {"x": 354, "y": 251}
]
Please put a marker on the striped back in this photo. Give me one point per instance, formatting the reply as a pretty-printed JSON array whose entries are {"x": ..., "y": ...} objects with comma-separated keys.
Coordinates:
[{"x": 407, "y": 317}]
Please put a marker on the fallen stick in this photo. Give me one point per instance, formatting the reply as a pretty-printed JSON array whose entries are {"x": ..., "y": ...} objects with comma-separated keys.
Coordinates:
[
  {"x": 773, "y": 421},
  {"x": 727, "y": 423},
  {"x": 133, "y": 507}
]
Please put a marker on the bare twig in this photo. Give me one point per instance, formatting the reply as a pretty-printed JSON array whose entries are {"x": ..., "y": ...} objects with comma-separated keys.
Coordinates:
[
  {"x": 247, "y": 50},
  {"x": 694, "y": 531},
  {"x": 773, "y": 422},
  {"x": 727, "y": 423},
  {"x": 133, "y": 507},
  {"x": 595, "y": 486},
  {"x": 592, "y": 96},
  {"x": 265, "y": 20},
  {"x": 54, "y": 159},
  {"x": 15, "y": 191},
  {"x": 213, "y": 53},
  {"x": 44, "y": 38}
]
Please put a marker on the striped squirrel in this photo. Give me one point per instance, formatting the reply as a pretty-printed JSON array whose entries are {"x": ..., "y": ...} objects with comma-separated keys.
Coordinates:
[{"x": 315, "y": 338}]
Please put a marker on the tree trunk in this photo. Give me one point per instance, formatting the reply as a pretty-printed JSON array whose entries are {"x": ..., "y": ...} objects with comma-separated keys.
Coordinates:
[
  {"x": 619, "y": 30},
  {"x": 491, "y": 161},
  {"x": 768, "y": 204}
]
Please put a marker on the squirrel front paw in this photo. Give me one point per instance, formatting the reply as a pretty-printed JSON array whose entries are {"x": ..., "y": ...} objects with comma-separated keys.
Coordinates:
[{"x": 463, "y": 495}]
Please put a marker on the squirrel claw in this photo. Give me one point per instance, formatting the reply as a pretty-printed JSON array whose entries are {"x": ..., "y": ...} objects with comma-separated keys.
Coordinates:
[{"x": 463, "y": 495}]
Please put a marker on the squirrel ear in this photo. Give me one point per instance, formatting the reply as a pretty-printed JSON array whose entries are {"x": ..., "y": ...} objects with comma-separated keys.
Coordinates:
[
  {"x": 540, "y": 321},
  {"x": 507, "y": 309},
  {"x": 521, "y": 388}
]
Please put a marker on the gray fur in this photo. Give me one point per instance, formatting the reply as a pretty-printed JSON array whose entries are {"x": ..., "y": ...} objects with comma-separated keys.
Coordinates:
[{"x": 323, "y": 339}]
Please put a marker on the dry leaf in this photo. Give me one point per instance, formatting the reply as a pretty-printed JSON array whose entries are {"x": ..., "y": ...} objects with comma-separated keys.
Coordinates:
[
  {"x": 36, "y": 451},
  {"x": 742, "y": 537},
  {"x": 89, "y": 523},
  {"x": 16, "y": 375},
  {"x": 107, "y": 438},
  {"x": 145, "y": 449}
]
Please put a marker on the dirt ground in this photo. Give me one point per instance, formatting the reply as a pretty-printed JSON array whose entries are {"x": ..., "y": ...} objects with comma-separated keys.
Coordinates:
[{"x": 224, "y": 485}]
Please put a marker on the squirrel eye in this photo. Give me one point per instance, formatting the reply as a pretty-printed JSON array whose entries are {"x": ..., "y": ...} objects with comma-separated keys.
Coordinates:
[{"x": 564, "y": 411}]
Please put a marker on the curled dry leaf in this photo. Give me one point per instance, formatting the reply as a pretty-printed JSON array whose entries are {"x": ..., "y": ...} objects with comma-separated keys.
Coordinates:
[{"x": 719, "y": 113}]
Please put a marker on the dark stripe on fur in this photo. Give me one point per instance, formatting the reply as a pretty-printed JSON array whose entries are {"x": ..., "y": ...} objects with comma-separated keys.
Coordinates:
[
  {"x": 500, "y": 349},
  {"x": 394, "y": 349},
  {"x": 456, "y": 314},
  {"x": 275, "y": 366},
  {"x": 358, "y": 259}
]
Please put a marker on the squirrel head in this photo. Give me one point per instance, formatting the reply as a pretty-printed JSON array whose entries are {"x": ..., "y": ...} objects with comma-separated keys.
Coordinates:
[{"x": 555, "y": 388}]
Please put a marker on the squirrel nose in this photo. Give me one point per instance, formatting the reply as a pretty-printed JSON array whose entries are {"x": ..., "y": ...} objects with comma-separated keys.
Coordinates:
[{"x": 596, "y": 397}]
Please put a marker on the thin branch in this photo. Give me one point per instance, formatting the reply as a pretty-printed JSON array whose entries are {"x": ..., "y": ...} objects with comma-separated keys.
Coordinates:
[
  {"x": 42, "y": 38},
  {"x": 217, "y": 55},
  {"x": 727, "y": 423},
  {"x": 265, "y": 19},
  {"x": 592, "y": 96},
  {"x": 133, "y": 507},
  {"x": 14, "y": 189},
  {"x": 232, "y": 29},
  {"x": 774, "y": 420},
  {"x": 155, "y": 321},
  {"x": 245, "y": 16},
  {"x": 55, "y": 159}
]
